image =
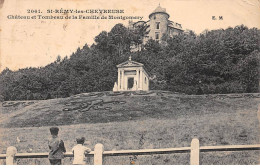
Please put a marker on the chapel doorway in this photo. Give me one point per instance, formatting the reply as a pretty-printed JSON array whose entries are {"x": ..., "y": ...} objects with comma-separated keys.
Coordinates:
[{"x": 130, "y": 83}]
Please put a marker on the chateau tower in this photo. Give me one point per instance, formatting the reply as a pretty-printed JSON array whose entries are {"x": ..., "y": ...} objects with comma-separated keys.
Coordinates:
[{"x": 158, "y": 23}]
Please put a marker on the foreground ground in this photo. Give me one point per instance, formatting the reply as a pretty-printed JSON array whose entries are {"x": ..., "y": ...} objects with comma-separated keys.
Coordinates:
[{"x": 136, "y": 120}]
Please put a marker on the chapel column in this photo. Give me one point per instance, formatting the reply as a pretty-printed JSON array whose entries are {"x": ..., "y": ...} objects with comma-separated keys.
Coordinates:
[
  {"x": 123, "y": 80},
  {"x": 141, "y": 79},
  {"x": 118, "y": 80},
  {"x": 138, "y": 79}
]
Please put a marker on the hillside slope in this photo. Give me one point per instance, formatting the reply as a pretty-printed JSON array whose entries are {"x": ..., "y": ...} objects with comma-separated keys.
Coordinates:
[{"x": 134, "y": 120}]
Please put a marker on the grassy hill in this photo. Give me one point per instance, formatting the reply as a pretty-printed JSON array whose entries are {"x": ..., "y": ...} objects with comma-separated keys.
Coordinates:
[{"x": 136, "y": 120}]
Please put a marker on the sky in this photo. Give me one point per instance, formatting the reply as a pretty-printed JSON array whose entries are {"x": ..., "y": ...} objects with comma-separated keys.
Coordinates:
[{"x": 38, "y": 42}]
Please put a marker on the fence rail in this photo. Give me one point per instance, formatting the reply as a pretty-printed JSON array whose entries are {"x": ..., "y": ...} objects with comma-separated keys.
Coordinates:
[
  {"x": 229, "y": 148},
  {"x": 98, "y": 153}
]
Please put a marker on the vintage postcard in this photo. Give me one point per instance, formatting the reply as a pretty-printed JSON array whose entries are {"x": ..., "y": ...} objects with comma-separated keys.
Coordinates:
[{"x": 151, "y": 82}]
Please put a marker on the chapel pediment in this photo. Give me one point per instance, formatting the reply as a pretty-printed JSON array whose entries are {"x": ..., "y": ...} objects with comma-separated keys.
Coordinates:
[{"x": 129, "y": 63}]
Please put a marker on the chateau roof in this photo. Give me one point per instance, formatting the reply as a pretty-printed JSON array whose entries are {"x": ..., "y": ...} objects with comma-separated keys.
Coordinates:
[
  {"x": 174, "y": 25},
  {"x": 159, "y": 9}
]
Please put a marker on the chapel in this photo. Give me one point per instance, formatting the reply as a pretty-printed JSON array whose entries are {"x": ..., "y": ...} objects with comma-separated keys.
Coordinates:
[{"x": 132, "y": 76}]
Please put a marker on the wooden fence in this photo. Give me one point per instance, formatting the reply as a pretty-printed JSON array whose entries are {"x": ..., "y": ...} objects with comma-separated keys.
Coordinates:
[{"x": 98, "y": 153}]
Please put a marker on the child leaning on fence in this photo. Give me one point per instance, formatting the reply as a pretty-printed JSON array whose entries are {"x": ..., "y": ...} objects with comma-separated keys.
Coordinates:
[
  {"x": 56, "y": 146},
  {"x": 79, "y": 151}
]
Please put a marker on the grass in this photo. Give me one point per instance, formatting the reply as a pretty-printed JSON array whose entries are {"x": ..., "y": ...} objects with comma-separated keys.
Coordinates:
[{"x": 129, "y": 121}]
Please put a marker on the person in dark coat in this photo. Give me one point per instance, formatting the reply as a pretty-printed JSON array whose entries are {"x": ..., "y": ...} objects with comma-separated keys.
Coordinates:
[{"x": 56, "y": 146}]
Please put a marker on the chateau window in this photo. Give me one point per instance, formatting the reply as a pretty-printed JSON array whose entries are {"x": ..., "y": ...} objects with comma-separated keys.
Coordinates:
[
  {"x": 156, "y": 36},
  {"x": 145, "y": 80},
  {"x": 157, "y": 25}
]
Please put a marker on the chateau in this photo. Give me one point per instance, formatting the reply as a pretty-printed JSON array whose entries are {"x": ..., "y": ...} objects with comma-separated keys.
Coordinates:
[{"x": 159, "y": 25}]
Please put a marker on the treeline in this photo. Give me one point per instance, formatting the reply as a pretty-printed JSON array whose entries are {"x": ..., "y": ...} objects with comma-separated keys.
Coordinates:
[{"x": 217, "y": 61}]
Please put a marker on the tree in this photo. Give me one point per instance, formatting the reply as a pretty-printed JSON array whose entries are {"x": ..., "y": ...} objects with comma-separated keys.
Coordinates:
[
  {"x": 120, "y": 39},
  {"x": 153, "y": 46},
  {"x": 217, "y": 61},
  {"x": 138, "y": 34},
  {"x": 58, "y": 59}
]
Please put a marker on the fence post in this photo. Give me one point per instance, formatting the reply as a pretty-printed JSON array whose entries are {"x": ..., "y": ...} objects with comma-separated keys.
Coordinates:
[
  {"x": 98, "y": 154},
  {"x": 195, "y": 152},
  {"x": 10, "y": 155}
]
